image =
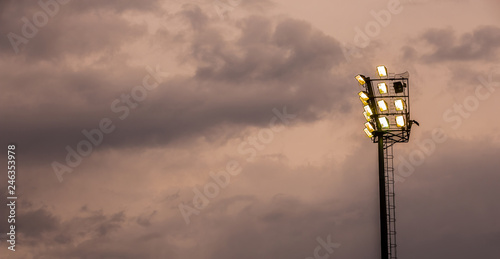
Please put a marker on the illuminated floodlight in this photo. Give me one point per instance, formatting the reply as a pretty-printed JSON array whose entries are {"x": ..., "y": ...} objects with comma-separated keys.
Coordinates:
[
  {"x": 363, "y": 96},
  {"x": 384, "y": 123},
  {"x": 368, "y": 133},
  {"x": 369, "y": 126},
  {"x": 361, "y": 79},
  {"x": 382, "y": 88},
  {"x": 400, "y": 121},
  {"x": 382, "y": 105},
  {"x": 368, "y": 110},
  {"x": 368, "y": 118},
  {"x": 399, "y": 104},
  {"x": 382, "y": 71}
]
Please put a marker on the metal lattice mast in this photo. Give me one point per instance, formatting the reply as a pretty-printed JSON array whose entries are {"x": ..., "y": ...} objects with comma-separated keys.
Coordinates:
[
  {"x": 387, "y": 111},
  {"x": 390, "y": 200}
]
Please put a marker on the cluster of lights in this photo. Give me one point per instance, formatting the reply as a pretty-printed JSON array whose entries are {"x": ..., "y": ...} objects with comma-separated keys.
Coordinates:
[{"x": 376, "y": 119}]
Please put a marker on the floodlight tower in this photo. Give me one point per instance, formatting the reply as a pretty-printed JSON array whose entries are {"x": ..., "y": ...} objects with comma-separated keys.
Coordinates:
[{"x": 387, "y": 112}]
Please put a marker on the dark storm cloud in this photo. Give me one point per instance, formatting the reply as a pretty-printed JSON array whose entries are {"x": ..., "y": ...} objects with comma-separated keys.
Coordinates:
[
  {"x": 40, "y": 226},
  {"x": 36, "y": 222},
  {"x": 145, "y": 220},
  {"x": 240, "y": 83},
  {"x": 77, "y": 28},
  {"x": 60, "y": 104},
  {"x": 274, "y": 63},
  {"x": 88, "y": 235},
  {"x": 196, "y": 17},
  {"x": 116, "y": 5},
  {"x": 113, "y": 223},
  {"x": 94, "y": 224},
  {"x": 102, "y": 34},
  {"x": 480, "y": 44},
  {"x": 285, "y": 52}
]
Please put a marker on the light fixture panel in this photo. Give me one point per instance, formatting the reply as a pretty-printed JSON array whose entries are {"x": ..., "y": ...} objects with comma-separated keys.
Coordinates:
[
  {"x": 370, "y": 127},
  {"x": 361, "y": 79},
  {"x": 400, "y": 121},
  {"x": 367, "y": 117},
  {"x": 382, "y": 105},
  {"x": 384, "y": 123},
  {"x": 382, "y": 88},
  {"x": 368, "y": 133},
  {"x": 363, "y": 96},
  {"x": 382, "y": 71},
  {"x": 399, "y": 104},
  {"x": 368, "y": 110}
]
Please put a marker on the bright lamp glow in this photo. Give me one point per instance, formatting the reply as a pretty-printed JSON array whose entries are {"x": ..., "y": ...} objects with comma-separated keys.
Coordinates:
[
  {"x": 382, "y": 71},
  {"x": 382, "y": 105},
  {"x": 368, "y": 133},
  {"x": 399, "y": 104},
  {"x": 368, "y": 110},
  {"x": 382, "y": 88},
  {"x": 384, "y": 123},
  {"x": 370, "y": 127},
  {"x": 361, "y": 79},
  {"x": 368, "y": 118},
  {"x": 400, "y": 121},
  {"x": 363, "y": 96}
]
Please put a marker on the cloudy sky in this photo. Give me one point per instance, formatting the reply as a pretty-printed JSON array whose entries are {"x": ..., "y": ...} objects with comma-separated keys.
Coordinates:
[{"x": 232, "y": 128}]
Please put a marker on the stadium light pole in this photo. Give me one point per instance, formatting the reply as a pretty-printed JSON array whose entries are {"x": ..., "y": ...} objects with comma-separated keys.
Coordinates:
[{"x": 387, "y": 112}]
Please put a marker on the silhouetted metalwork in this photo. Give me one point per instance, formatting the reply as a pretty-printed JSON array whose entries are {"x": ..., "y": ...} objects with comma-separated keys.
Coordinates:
[{"x": 387, "y": 112}]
